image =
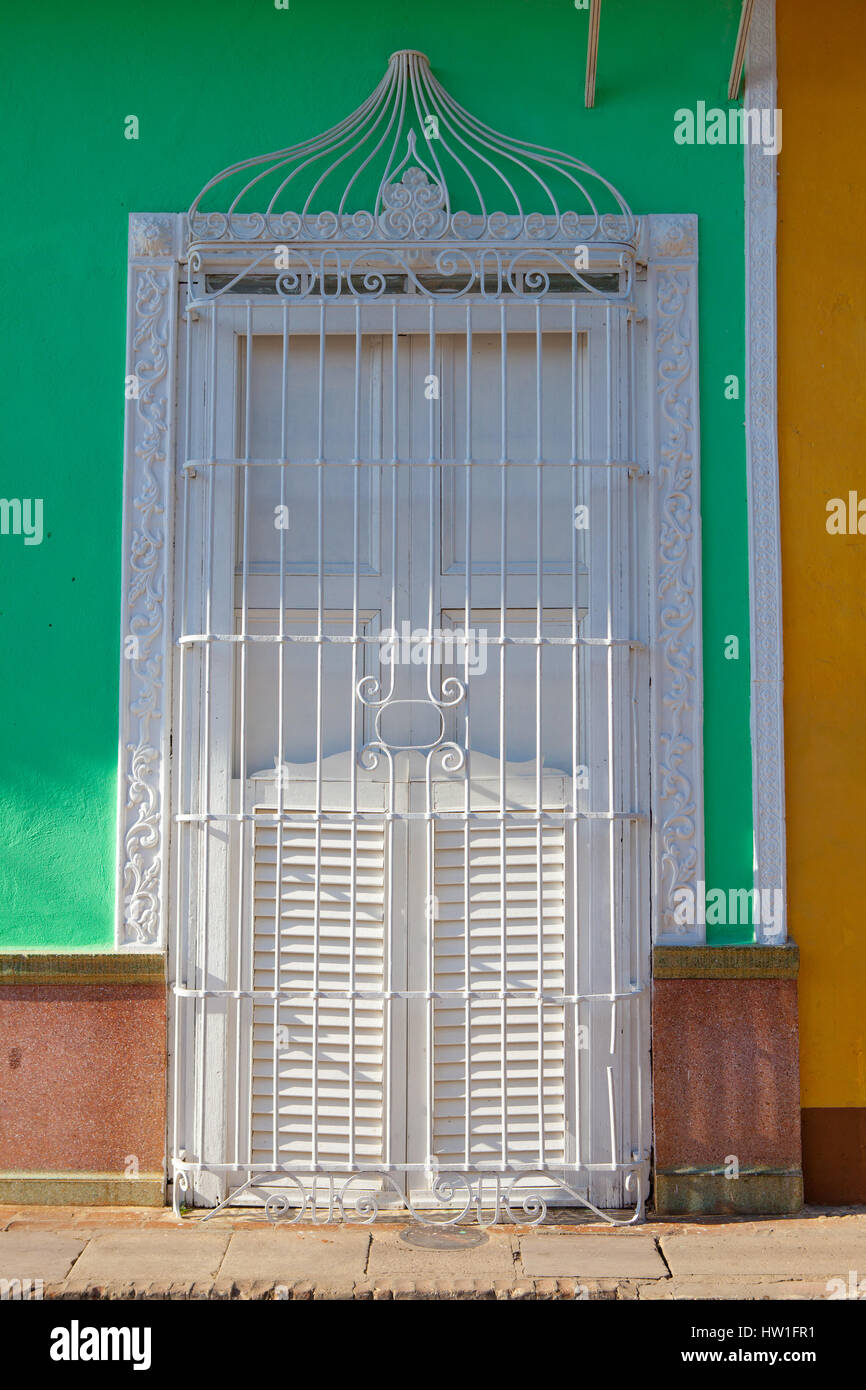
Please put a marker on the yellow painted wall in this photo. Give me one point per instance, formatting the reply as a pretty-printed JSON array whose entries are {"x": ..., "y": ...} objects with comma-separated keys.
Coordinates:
[{"x": 822, "y": 438}]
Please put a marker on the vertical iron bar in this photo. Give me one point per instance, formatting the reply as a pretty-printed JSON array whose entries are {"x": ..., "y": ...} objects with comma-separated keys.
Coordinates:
[
  {"x": 611, "y": 444},
  {"x": 388, "y": 926},
  {"x": 204, "y": 890},
  {"x": 503, "y": 596},
  {"x": 242, "y": 824},
  {"x": 281, "y": 647},
  {"x": 575, "y": 740},
  {"x": 433, "y": 474},
  {"x": 467, "y": 623},
  {"x": 590, "y": 832},
  {"x": 320, "y": 631},
  {"x": 539, "y": 609},
  {"x": 353, "y": 832},
  {"x": 179, "y": 971},
  {"x": 635, "y": 663}
]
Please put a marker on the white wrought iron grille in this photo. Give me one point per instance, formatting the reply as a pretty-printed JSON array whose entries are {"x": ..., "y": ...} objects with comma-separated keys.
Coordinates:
[{"x": 411, "y": 854}]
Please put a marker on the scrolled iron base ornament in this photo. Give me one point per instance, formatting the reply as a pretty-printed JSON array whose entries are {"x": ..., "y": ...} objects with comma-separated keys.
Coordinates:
[
  {"x": 488, "y": 1198},
  {"x": 180, "y": 1185}
]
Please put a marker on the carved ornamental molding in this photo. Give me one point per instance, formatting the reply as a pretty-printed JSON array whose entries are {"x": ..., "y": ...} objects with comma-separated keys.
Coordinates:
[
  {"x": 671, "y": 249},
  {"x": 145, "y": 636}
]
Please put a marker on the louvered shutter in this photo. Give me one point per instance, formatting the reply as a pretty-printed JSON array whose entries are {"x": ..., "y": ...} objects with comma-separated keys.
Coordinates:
[
  {"x": 500, "y": 1065},
  {"x": 318, "y": 1064}
]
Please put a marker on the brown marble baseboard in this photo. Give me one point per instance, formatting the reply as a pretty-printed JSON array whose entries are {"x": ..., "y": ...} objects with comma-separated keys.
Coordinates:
[
  {"x": 726, "y": 1080},
  {"x": 83, "y": 1079}
]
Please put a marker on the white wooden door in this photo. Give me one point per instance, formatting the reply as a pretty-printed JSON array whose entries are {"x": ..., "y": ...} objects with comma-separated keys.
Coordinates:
[{"x": 413, "y": 905}]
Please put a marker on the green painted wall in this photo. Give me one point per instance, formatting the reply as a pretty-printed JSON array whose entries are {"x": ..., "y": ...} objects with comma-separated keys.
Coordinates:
[{"x": 211, "y": 83}]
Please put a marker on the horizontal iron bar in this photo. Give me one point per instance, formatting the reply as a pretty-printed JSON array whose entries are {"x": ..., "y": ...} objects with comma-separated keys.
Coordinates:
[
  {"x": 607, "y": 250},
  {"x": 527, "y": 996},
  {"x": 189, "y": 639},
  {"x": 584, "y": 294},
  {"x": 633, "y": 468},
  {"x": 303, "y": 818},
  {"x": 433, "y": 1169}
]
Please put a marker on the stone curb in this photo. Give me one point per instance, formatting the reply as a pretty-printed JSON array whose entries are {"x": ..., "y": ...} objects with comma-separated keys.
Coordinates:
[
  {"x": 364, "y": 1290},
  {"x": 746, "y": 1287}
]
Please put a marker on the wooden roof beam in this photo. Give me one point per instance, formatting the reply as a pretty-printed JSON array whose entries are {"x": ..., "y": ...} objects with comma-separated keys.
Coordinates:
[
  {"x": 740, "y": 49},
  {"x": 592, "y": 52}
]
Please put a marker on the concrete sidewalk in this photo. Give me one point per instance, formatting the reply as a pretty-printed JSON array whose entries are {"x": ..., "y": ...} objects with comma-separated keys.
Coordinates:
[{"x": 139, "y": 1252}]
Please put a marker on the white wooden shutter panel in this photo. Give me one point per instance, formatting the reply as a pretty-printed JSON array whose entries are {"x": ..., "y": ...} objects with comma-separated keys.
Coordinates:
[
  {"x": 499, "y": 1093},
  {"x": 326, "y": 1082}
]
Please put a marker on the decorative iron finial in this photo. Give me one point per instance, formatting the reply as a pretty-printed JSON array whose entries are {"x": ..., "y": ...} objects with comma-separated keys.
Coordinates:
[{"x": 412, "y": 164}]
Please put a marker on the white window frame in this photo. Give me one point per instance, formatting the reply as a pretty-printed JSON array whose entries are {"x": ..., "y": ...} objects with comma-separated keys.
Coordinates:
[{"x": 158, "y": 245}]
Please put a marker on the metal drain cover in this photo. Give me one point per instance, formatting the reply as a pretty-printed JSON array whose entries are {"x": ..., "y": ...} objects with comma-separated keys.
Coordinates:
[{"x": 443, "y": 1237}]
